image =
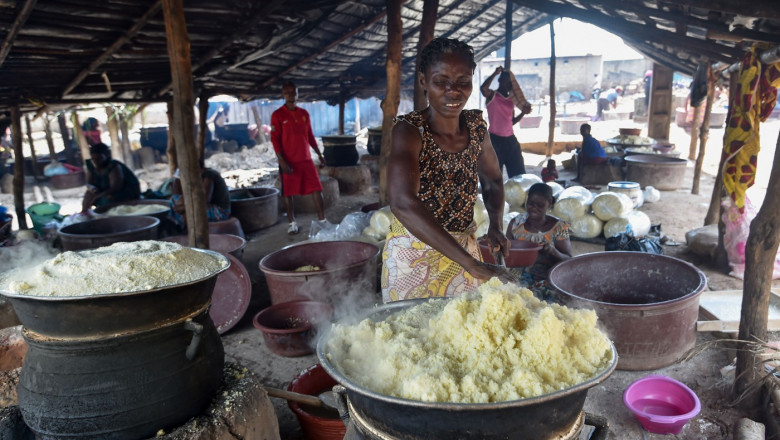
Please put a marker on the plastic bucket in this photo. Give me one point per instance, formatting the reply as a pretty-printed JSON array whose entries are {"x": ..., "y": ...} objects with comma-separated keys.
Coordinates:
[{"x": 43, "y": 213}]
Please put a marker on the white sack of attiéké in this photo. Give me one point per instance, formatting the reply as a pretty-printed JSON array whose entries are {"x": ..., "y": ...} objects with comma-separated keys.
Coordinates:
[{"x": 609, "y": 205}]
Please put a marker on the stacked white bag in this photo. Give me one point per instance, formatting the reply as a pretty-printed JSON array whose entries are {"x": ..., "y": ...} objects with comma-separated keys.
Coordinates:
[
  {"x": 608, "y": 213},
  {"x": 379, "y": 225}
]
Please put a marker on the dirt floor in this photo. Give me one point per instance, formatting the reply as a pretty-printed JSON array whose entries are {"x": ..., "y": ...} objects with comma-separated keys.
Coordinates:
[{"x": 677, "y": 212}]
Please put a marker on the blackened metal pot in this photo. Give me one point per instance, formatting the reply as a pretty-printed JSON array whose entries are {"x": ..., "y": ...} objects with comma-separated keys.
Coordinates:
[
  {"x": 544, "y": 417},
  {"x": 120, "y": 388},
  {"x": 116, "y": 313}
]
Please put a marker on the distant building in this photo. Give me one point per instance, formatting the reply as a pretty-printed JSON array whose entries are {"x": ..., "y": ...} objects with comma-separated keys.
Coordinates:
[{"x": 572, "y": 73}]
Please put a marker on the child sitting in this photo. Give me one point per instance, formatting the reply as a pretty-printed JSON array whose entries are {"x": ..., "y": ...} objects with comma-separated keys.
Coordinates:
[
  {"x": 549, "y": 174},
  {"x": 550, "y": 232}
]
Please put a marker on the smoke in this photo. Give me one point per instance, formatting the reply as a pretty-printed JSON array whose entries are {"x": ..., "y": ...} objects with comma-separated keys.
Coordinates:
[{"x": 23, "y": 258}]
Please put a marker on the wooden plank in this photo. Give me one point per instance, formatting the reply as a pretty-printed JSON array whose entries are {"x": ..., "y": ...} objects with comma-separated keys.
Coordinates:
[
  {"x": 393, "y": 96},
  {"x": 730, "y": 326},
  {"x": 721, "y": 311}
]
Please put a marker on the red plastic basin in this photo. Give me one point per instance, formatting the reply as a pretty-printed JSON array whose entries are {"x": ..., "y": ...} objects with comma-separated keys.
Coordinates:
[
  {"x": 290, "y": 328},
  {"x": 522, "y": 253},
  {"x": 316, "y": 423}
]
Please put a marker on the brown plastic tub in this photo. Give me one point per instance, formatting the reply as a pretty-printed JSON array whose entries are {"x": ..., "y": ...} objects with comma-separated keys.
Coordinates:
[
  {"x": 107, "y": 231},
  {"x": 255, "y": 208},
  {"x": 225, "y": 243},
  {"x": 344, "y": 267},
  {"x": 660, "y": 171},
  {"x": 647, "y": 303}
]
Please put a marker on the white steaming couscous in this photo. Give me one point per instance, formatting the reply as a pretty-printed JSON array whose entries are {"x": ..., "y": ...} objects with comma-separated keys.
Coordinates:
[
  {"x": 497, "y": 344},
  {"x": 121, "y": 267}
]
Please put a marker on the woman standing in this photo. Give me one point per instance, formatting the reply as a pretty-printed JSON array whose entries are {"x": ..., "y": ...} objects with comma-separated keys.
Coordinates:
[{"x": 438, "y": 157}]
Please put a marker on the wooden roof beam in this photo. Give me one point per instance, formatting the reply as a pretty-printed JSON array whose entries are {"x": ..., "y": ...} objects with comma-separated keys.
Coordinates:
[
  {"x": 21, "y": 19},
  {"x": 753, "y": 8},
  {"x": 371, "y": 21},
  {"x": 227, "y": 41},
  {"x": 687, "y": 19},
  {"x": 121, "y": 41},
  {"x": 624, "y": 28}
]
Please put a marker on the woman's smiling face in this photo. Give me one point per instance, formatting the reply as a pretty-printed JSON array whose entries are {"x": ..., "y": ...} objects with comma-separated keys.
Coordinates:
[
  {"x": 448, "y": 83},
  {"x": 537, "y": 206}
]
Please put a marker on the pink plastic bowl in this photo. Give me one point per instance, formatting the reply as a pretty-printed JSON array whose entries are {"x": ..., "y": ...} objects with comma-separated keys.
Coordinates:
[{"x": 661, "y": 404}]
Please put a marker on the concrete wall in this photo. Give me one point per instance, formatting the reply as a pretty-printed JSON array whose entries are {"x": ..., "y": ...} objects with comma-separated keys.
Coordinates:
[{"x": 576, "y": 73}]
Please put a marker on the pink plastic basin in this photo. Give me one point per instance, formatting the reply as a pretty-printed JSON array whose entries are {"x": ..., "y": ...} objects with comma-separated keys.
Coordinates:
[{"x": 661, "y": 404}]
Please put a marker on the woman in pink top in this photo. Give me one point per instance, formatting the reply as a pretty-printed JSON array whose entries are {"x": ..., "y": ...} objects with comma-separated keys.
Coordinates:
[{"x": 501, "y": 119}]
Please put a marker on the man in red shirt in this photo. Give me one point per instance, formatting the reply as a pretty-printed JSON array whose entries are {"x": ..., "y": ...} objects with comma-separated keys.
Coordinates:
[{"x": 291, "y": 136}]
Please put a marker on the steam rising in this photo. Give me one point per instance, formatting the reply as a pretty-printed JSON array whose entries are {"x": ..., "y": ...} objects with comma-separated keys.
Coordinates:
[{"x": 23, "y": 258}]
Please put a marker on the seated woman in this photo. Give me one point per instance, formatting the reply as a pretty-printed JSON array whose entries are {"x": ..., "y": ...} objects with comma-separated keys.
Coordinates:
[
  {"x": 217, "y": 196},
  {"x": 108, "y": 180},
  {"x": 539, "y": 227}
]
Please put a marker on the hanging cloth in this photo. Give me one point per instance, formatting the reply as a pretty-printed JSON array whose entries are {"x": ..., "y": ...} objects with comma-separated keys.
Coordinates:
[
  {"x": 755, "y": 97},
  {"x": 516, "y": 94}
]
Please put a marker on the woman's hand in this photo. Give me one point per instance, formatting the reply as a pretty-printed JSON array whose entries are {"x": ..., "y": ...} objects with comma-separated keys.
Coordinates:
[
  {"x": 498, "y": 241},
  {"x": 486, "y": 271}
]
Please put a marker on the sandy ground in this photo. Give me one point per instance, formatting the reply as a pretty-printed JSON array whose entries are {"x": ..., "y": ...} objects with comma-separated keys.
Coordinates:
[{"x": 677, "y": 211}]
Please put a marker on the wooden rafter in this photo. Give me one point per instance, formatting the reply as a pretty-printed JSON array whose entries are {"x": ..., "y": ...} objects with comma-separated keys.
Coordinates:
[
  {"x": 21, "y": 19},
  {"x": 752, "y": 8},
  {"x": 227, "y": 41},
  {"x": 689, "y": 20},
  {"x": 370, "y": 22},
  {"x": 121, "y": 41},
  {"x": 624, "y": 28}
]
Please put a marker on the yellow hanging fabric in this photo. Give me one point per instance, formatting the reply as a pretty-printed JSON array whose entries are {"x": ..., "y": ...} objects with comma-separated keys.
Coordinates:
[{"x": 755, "y": 97}]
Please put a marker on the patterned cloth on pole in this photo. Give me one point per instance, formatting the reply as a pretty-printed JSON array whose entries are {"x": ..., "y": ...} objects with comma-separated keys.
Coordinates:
[{"x": 755, "y": 97}]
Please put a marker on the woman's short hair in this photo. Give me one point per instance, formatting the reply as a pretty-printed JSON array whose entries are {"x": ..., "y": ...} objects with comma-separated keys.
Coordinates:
[
  {"x": 438, "y": 47},
  {"x": 543, "y": 190},
  {"x": 100, "y": 148}
]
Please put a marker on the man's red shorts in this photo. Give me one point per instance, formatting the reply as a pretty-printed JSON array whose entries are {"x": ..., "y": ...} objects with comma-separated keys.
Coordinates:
[{"x": 303, "y": 180}]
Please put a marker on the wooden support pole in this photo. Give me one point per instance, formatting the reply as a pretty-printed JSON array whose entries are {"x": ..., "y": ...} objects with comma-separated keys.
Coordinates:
[
  {"x": 342, "y": 104},
  {"x": 184, "y": 121},
  {"x": 203, "y": 111},
  {"x": 70, "y": 155},
  {"x": 694, "y": 133},
  {"x": 760, "y": 256},
  {"x": 713, "y": 212},
  {"x": 112, "y": 121},
  {"x": 33, "y": 156},
  {"x": 124, "y": 143},
  {"x": 16, "y": 133},
  {"x": 551, "y": 129},
  {"x": 49, "y": 139},
  {"x": 393, "y": 95},
  {"x": 427, "y": 25},
  {"x": 508, "y": 34},
  {"x": 80, "y": 139},
  {"x": 170, "y": 149},
  {"x": 705, "y": 131}
]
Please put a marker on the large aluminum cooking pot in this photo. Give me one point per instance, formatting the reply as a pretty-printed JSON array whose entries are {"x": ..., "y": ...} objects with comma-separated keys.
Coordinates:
[
  {"x": 543, "y": 417},
  {"x": 116, "y": 313}
]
